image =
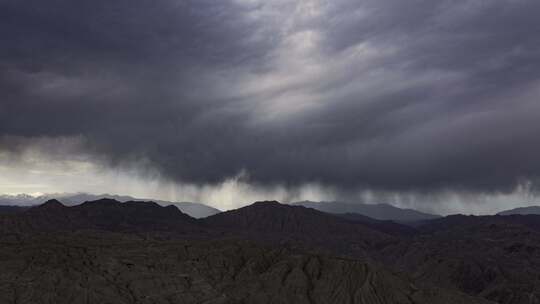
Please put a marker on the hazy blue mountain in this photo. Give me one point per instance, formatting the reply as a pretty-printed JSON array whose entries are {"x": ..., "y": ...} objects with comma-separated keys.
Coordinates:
[
  {"x": 20, "y": 200},
  {"x": 376, "y": 211},
  {"x": 195, "y": 210},
  {"x": 522, "y": 210}
]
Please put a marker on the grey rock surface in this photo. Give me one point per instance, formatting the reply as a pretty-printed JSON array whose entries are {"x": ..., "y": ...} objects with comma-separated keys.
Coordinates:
[{"x": 116, "y": 268}]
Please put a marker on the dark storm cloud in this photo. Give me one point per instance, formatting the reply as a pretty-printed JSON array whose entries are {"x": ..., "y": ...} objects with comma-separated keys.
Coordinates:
[{"x": 388, "y": 95}]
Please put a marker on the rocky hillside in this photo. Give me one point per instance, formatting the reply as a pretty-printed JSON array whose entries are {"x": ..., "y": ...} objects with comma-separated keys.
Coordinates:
[
  {"x": 104, "y": 214},
  {"x": 494, "y": 257},
  {"x": 140, "y": 252},
  {"x": 274, "y": 221},
  {"x": 113, "y": 268}
]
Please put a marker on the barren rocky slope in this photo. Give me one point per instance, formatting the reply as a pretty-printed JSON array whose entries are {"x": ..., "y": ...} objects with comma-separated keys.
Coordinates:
[
  {"x": 140, "y": 252},
  {"x": 114, "y": 268},
  {"x": 497, "y": 258},
  {"x": 274, "y": 221}
]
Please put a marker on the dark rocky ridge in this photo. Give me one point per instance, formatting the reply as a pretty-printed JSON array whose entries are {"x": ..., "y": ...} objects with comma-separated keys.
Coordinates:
[
  {"x": 272, "y": 220},
  {"x": 72, "y": 199},
  {"x": 496, "y": 258},
  {"x": 107, "y": 215},
  {"x": 273, "y": 217}
]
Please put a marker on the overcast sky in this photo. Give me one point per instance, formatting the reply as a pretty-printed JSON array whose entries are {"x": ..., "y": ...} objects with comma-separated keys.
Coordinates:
[{"x": 421, "y": 103}]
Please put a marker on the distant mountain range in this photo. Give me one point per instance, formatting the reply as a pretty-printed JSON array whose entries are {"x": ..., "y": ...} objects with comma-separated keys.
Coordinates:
[
  {"x": 522, "y": 210},
  {"x": 195, "y": 210},
  {"x": 383, "y": 212}
]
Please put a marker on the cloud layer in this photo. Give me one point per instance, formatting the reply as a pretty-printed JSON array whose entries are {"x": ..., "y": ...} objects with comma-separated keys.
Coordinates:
[{"x": 386, "y": 96}]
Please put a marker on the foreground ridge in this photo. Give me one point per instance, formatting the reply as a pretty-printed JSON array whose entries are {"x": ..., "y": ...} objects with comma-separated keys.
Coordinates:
[{"x": 266, "y": 252}]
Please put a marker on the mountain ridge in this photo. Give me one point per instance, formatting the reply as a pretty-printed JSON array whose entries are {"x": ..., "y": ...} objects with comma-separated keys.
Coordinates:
[
  {"x": 196, "y": 210},
  {"x": 521, "y": 210},
  {"x": 491, "y": 257},
  {"x": 106, "y": 215},
  {"x": 375, "y": 211}
]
